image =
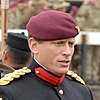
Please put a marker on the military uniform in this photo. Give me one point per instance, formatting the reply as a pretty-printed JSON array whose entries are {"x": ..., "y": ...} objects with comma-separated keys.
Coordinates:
[
  {"x": 41, "y": 81},
  {"x": 36, "y": 83},
  {"x": 89, "y": 18}
]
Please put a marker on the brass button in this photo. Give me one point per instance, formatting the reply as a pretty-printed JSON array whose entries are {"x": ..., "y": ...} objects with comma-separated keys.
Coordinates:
[
  {"x": 61, "y": 92},
  {"x": 0, "y": 98},
  {"x": 37, "y": 72}
]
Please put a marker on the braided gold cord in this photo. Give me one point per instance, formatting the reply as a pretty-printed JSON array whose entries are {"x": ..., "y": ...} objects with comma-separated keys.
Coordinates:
[
  {"x": 11, "y": 76},
  {"x": 74, "y": 75}
]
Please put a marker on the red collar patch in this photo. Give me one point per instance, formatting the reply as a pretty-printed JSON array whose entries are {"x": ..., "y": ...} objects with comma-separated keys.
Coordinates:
[{"x": 43, "y": 74}]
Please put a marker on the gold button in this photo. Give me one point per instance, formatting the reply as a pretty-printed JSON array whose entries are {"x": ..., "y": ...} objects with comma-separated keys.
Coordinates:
[
  {"x": 37, "y": 72},
  {"x": 61, "y": 92}
]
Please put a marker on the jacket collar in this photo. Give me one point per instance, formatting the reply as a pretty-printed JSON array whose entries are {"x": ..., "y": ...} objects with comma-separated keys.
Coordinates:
[{"x": 45, "y": 74}]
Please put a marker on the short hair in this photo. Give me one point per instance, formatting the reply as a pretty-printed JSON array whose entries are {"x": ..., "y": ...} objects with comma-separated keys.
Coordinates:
[{"x": 18, "y": 56}]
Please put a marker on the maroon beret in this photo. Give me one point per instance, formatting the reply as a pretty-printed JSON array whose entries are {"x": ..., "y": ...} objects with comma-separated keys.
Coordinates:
[
  {"x": 52, "y": 25},
  {"x": 21, "y": 1}
]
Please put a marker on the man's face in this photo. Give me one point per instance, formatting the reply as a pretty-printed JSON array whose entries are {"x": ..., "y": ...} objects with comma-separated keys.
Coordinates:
[{"x": 55, "y": 56}]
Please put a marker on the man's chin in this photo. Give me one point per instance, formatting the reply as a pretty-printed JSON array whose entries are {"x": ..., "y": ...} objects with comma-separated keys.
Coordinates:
[{"x": 62, "y": 73}]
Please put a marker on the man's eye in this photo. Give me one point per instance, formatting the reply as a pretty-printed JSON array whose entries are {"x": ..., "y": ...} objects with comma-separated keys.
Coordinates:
[
  {"x": 71, "y": 44},
  {"x": 59, "y": 43}
]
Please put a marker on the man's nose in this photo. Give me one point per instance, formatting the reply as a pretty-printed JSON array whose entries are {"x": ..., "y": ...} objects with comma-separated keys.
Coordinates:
[{"x": 67, "y": 50}]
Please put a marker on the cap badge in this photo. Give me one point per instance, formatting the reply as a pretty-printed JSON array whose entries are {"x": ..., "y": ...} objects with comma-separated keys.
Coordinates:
[{"x": 78, "y": 29}]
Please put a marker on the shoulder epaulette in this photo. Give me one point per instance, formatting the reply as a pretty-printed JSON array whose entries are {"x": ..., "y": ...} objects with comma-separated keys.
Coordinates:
[
  {"x": 0, "y": 98},
  {"x": 11, "y": 76},
  {"x": 73, "y": 75}
]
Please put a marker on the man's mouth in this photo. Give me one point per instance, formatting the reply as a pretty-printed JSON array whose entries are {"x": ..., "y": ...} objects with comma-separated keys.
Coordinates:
[{"x": 64, "y": 62}]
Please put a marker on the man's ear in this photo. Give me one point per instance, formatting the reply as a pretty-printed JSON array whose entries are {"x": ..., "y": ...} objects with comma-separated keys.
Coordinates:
[
  {"x": 33, "y": 45},
  {"x": 5, "y": 56}
]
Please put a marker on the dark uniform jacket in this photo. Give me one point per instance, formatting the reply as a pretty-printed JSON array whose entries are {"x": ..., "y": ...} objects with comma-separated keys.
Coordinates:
[{"x": 36, "y": 84}]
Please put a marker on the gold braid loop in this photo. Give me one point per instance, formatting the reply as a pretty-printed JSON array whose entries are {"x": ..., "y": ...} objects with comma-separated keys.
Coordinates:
[
  {"x": 11, "y": 76},
  {"x": 75, "y": 76}
]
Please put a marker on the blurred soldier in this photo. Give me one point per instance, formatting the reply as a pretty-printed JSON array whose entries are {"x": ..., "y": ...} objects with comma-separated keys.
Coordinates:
[
  {"x": 16, "y": 53},
  {"x": 21, "y": 4},
  {"x": 27, "y": 13},
  {"x": 12, "y": 16},
  {"x": 61, "y": 6},
  {"x": 21, "y": 7},
  {"x": 88, "y": 15},
  {"x": 89, "y": 20}
]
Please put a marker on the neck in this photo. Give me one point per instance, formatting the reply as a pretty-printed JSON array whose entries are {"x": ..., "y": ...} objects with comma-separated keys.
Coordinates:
[
  {"x": 39, "y": 63},
  {"x": 16, "y": 66}
]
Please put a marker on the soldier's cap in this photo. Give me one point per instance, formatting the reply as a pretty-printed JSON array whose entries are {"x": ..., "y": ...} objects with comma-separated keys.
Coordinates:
[
  {"x": 18, "y": 41},
  {"x": 52, "y": 25}
]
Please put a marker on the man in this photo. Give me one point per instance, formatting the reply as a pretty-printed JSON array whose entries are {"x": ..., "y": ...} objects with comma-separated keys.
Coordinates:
[
  {"x": 51, "y": 40},
  {"x": 16, "y": 53}
]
